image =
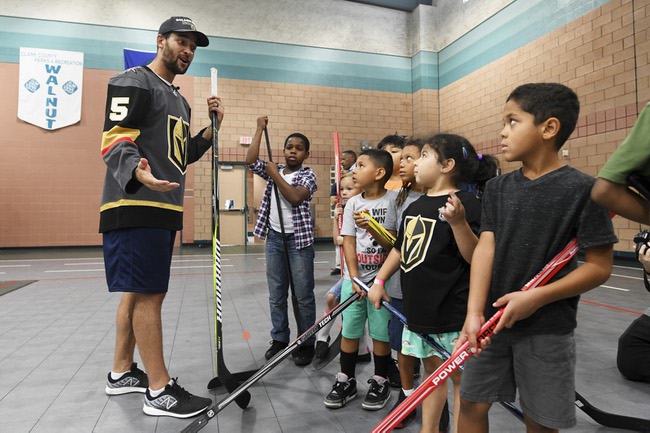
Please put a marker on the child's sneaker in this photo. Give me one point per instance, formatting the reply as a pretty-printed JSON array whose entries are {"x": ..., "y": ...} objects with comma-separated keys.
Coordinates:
[
  {"x": 276, "y": 346},
  {"x": 410, "y": 417},
  {"x": 174, "y": 401},
  {"x": 378, "y": 394},
  {"x": 134, "y": 380},
  {"x": 322, "y": 349},
  {"x": 394, "y": 379},
  {"x": 344, "y": 390}
]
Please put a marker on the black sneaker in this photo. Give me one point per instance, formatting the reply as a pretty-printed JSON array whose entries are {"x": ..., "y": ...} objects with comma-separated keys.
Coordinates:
[
  {"x": 322, "y": 349},
  {"x": 134, "y": 380},
  {"x": 174, "y": 401},
  {"x": 304, "y": 355},
  {"x": 335, "y": 271},
  {"x": 378, "y": 394},
  {"x": 344, "y": 390},
  {"x": 393, "y": 375},
  {"x": 410, "y": 417},
  {"x": 276, "y": 346}
]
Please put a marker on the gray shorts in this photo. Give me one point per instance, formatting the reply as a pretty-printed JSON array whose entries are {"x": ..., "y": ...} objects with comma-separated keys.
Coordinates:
[{"x": 541, "y": 367}]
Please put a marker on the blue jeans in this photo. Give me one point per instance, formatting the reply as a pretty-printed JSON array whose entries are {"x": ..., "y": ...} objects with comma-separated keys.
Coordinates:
[{"x": 302, "y": 271}]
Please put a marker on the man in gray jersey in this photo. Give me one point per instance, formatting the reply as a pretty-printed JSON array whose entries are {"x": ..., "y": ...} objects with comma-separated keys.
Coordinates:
[{"x": 147, "y": 147}]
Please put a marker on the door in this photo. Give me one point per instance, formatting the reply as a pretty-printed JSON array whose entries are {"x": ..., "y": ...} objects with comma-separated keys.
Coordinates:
[{"x": 232, "y": 203}]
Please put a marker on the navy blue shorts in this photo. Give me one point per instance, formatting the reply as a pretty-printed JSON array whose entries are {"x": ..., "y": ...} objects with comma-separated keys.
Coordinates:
[{"x": 138, "y": 259}]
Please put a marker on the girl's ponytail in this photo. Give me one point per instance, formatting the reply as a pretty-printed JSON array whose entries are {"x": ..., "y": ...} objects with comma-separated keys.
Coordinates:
[
  {"x": 488, "y": 167},
  {"x": 472, "y": 170}
]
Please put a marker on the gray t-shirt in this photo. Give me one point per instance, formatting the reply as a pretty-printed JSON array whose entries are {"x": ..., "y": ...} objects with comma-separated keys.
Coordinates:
[
  {"x": 532, "y": 221},
  {"x": 370, "y": 255},
  {"x": 393, "y": 221}
]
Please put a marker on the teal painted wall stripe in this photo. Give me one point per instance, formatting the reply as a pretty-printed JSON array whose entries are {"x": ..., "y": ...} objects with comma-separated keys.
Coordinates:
[
  {"x": 424, "y": 66},
  {"x": 521, "y": 22},
  {"x": 240, "y": 59}
]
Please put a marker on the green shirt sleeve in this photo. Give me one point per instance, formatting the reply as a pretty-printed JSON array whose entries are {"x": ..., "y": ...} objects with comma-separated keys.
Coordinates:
[{"x": 633, "y": 154}]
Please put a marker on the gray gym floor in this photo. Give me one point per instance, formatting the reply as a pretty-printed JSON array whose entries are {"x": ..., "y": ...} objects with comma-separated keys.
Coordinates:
[{"x": 57, "y": 337}]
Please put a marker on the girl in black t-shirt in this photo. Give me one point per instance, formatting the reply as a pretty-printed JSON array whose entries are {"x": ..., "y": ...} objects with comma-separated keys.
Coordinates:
[{"x": 434, "y": 246}]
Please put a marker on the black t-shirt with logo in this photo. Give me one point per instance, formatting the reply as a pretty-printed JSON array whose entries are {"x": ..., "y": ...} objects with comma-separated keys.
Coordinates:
[{"x": 434, "y": 275}]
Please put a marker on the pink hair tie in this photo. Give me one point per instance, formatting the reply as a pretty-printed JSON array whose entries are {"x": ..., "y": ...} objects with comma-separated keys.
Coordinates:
[{"x": 480, "y": 156}]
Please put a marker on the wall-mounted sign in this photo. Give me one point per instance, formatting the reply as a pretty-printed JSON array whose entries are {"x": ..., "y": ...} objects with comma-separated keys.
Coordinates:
[{"x": 50, "y": 84}]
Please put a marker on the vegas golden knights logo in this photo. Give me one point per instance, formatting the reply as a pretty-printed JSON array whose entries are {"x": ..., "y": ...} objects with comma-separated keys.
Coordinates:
[
  {"x": 418, "y": 233},
  {"x": 178, "y": 132}
]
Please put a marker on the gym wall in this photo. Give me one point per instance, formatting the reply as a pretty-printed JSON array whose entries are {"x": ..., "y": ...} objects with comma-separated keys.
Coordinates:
[{"x": 50, "y": 181}]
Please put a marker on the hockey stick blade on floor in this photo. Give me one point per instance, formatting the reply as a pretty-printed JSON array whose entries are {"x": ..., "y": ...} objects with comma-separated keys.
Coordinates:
[
  {"x": 204, "y": 418},
  {"x": 610, "y": 419}
]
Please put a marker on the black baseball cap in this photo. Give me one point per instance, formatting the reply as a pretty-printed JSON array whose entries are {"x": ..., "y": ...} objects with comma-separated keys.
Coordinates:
[{"x": 183, "y": 25}]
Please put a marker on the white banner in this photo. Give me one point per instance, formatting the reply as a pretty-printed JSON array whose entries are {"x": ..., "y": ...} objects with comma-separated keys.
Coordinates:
[{"x": 49, "y": 87}]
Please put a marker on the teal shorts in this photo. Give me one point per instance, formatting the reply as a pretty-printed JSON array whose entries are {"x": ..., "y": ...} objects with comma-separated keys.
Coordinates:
[
  {"x": 354, "y": 317},
  {"x": 413, "y": 345}
]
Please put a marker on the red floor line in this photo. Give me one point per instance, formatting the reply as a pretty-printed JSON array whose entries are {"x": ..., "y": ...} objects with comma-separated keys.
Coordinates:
[
  {"x": 9, "y": 283},
  {"x": 611, "y": 307}
]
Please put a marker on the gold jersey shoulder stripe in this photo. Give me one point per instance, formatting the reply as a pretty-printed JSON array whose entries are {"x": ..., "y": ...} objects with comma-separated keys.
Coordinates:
[
  {"x": 125, "y": 202},
  {"x": 117, "y": 133}
]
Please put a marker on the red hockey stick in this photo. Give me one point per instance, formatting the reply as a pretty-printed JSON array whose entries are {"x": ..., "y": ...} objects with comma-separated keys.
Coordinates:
[
  {"x": 462, "y": 354},
  {"x": 337, "y": 168}
]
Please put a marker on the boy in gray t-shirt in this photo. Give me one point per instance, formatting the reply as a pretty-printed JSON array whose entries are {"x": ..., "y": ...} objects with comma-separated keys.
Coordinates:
[
  {"x": 529, "y": 215},
  {"x": 364, "y": 256}
]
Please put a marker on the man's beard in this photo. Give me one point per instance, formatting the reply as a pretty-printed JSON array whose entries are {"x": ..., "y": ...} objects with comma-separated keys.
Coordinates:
[{"x": 171, "y": 62}]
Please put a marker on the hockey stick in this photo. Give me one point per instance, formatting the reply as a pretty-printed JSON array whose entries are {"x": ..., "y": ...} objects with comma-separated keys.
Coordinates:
[
  {"x": 223, "y": 374},
  {"x": 294, "y": 299},
  {"x": 337, "y": 170},
  {"x": 200, "y": 422},
  {"x": 433, "y": 343},
  {"x": 462, "y": 354},
  {"x": 610, "y": 419},
  {"x": 379, "y": 228}
]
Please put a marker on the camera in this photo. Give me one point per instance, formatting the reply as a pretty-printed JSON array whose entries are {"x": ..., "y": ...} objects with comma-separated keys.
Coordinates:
[{"x": 640, "y": 239}]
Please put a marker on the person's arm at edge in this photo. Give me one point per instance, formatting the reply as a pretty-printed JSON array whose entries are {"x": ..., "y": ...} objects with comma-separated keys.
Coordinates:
[{"x": 621, "y": 200}]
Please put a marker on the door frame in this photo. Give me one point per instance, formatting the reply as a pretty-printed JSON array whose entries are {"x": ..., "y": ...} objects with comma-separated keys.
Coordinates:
[{"x": 245, "y": 213}]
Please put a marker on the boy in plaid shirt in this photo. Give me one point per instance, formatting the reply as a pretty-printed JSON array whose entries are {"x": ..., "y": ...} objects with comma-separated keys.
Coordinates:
[{"x": 296, "y": 186}]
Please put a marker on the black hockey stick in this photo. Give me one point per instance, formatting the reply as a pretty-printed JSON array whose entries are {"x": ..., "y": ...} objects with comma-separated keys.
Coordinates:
[
  {"x": 223, "y": 374},
  {"x": 433, "y": 343},
  {"x": 204, "y": 418},
  {"x": 610, "y": 419},
  {"x": 294, "y": 299}
]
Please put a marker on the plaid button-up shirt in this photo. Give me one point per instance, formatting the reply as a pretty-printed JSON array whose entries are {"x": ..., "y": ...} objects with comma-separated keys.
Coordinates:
[{"x": 303, "y": 227}]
